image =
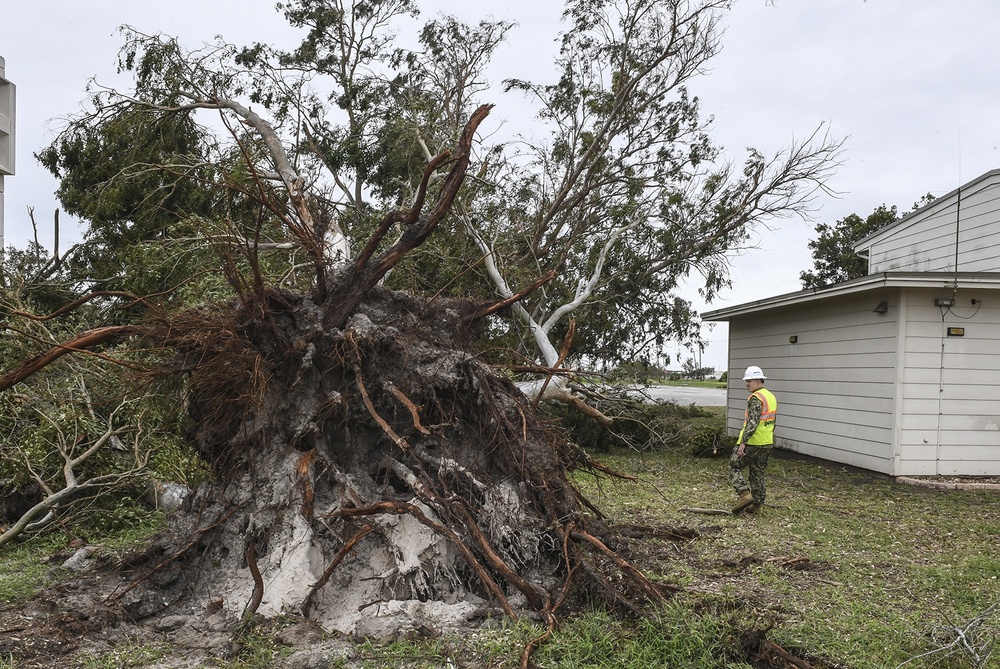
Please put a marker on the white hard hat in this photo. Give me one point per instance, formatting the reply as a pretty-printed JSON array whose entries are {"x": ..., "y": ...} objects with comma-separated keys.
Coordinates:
[{"x": 754, "y": 372}]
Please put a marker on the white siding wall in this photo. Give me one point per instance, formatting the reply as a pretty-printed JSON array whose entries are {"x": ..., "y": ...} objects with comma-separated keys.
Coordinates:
[
  {"x": 925, "y": 242},
  {"x": 950, "y": 397},
  {"x": 835, "y": 386}
]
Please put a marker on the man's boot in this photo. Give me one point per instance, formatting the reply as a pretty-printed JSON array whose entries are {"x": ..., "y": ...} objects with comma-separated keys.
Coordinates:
[{"x": 745, "y": 500}]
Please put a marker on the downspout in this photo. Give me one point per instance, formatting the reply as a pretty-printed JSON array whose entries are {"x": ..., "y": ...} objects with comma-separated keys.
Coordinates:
[{"x": 937, "y": 447}]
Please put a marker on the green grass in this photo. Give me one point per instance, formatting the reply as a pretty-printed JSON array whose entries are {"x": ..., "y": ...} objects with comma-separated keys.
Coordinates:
[
  {"x": 852, "y": 570},
  {"x": 24, "y": 569},
  {"x": 29, "y": 566},
  {"x": 126, "y": 656}
]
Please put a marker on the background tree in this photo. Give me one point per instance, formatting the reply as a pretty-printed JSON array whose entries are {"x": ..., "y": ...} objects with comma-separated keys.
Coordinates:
[{"x": 834, "y": 259}]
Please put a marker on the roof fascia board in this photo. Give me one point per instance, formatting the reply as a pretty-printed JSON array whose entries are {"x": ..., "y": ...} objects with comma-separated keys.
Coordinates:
[{"x": 962, "y": 280}]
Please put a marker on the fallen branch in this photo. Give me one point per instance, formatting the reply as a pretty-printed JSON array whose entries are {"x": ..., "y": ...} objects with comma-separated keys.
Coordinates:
[
  {"x": 77, "y": 344},
  {"x": 42, "y": 512},
  {"x": 707, "y": 512},
  {"x": 758, "y": 649}
]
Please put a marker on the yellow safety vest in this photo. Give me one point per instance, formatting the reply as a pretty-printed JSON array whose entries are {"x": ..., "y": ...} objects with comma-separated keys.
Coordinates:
[{"x": 764, "y": 434}]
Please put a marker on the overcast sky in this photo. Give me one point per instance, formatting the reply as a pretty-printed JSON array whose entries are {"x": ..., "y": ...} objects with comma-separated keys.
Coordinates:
[{"x": 913, "y": 86}]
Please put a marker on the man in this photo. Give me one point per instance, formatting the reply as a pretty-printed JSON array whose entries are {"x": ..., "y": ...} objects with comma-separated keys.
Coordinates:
[{"x": 753, "y": 446}]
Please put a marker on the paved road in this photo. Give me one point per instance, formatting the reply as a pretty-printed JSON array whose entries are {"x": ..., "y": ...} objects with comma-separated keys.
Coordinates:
[{"x": 683, "y": 395}]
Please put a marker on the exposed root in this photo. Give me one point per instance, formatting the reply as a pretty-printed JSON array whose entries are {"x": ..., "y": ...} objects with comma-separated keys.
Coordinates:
[
  {"x": 765, "y": 654},
  {"x": 258, "y": 582},
  {"x": 341, "y": 554}
]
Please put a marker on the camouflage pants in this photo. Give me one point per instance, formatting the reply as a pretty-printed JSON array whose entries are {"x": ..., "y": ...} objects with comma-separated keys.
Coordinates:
[{"x": 754, "y": 458}]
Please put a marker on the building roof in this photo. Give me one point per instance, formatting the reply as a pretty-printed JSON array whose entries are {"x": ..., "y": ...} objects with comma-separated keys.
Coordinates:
[
  {"x": 862, "y": 245},
  {"x": 944, "y": 280}
]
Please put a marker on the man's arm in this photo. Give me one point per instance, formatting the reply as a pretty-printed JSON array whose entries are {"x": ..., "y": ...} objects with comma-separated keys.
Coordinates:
[{"x": 754, "y": 408}]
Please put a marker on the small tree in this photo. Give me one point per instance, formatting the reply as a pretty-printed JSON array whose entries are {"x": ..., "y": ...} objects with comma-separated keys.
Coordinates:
[{"x": 833, "y": 253}]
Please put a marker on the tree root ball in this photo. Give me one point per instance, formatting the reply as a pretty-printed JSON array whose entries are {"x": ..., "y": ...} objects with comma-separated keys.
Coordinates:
[{"x": 374, "y": 478}]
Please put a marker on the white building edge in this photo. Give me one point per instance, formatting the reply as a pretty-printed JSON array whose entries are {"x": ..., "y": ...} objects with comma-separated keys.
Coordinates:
[
  {"x": 898, "y": 371},
  {"x": 6, "y": 135}
]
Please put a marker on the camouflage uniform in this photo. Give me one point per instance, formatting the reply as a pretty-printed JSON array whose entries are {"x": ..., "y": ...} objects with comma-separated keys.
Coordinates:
[{"x": 754, "y": 458}]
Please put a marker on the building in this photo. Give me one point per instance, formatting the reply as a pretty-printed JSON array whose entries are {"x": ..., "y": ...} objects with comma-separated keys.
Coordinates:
[
  {"x": 6, "y": 135},
  {"x": 898, "y": 371}
]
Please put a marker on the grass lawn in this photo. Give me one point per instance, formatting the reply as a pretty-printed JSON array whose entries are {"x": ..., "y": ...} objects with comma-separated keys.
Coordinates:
[{"x": 848, "y": 565}]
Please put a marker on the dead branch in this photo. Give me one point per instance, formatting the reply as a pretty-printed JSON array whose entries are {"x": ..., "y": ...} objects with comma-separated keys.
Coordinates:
[
  {"x": 707, "y": 512},
  {"x": 73, "y": 484},
  {"x": 563, "y": 352},
  {"x": 80, "y": 301},
  {"x": 485, "y": 310},
  {"x": 759, "y": 649},
  {"x": 965, "y": 641}
]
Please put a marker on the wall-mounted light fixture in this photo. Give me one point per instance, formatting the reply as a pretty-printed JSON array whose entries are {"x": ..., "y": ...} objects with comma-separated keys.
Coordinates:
[
  {"x": 956, "y": 332},
  {"x": 882, "y": 307}
]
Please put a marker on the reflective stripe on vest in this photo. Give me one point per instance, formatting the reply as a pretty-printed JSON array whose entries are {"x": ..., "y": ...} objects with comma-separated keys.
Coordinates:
[{"x": 764, "y": 434}]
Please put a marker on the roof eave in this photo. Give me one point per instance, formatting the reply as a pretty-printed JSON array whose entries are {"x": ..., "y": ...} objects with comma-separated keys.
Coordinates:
[{"x": 952, "y": 281}]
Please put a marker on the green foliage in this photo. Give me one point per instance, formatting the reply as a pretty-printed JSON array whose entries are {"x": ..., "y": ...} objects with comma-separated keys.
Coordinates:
[
  {"x": 833, "y": 253},
  {"x": 637, "y": 371},
  {"x": 59, "y": 413},
  {"x": 625, "y": 196}
]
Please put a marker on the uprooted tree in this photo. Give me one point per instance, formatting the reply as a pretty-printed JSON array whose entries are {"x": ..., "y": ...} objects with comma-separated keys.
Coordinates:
[
  {"x": 367, "y": 464},
  {"x": 610, "y": 197},
  {"x": 368, "y": 460}
]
